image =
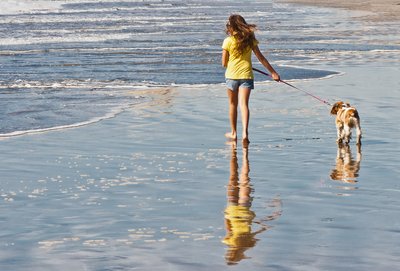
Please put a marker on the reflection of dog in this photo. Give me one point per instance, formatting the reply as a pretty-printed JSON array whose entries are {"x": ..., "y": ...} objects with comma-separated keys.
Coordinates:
[
  {"x": 347, "y": 168},
  {"x": 346, "y": 118}
]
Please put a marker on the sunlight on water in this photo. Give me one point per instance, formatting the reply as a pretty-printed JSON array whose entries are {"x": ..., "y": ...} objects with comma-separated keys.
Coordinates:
[{"x": 151, "y": 184}]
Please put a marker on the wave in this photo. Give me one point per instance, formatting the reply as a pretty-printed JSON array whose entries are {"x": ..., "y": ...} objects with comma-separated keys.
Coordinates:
[
  {"x": 27, "y": 6},
  {"x": 65, "y": 104},
  {"x": 89, "y": 84},
  {"x": 109, "y": 115},
  {"x": 108, "y": 50}
]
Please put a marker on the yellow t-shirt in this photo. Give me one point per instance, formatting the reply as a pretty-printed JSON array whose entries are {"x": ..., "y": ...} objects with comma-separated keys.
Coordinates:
[
  {"x": 240, "y": 218},
  {"x": 239, "y": 65}
]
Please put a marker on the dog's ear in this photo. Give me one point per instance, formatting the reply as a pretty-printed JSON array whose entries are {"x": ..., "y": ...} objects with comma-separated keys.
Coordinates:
[
  {"x": 347, "y": 104},
  {"x": 335, "y": 108}
]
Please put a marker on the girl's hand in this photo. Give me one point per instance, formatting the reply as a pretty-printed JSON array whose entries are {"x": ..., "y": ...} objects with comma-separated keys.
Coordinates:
[{"x": 276, "y": 76}]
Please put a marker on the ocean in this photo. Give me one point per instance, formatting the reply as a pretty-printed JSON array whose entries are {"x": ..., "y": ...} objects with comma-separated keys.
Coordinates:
[
  {"x": 71, "y": 63},
  {"x": 112, "y": 116}
]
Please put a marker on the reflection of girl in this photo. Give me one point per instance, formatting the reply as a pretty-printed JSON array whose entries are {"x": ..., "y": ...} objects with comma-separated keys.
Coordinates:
[
  {"x": 239, "y": 238},
  {"x": 238, "y": 216},
  {"x": 236, "y": 57}
]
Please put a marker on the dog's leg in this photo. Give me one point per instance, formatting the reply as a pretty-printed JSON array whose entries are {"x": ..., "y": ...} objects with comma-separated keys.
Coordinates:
[
  {"x": 347, "y": 134},
  {"x": 359, "y": 133},
  {"x": 339, "y": 130},
  {"x": 347, "y": 155},
  {"x": 359, "y": 155}
]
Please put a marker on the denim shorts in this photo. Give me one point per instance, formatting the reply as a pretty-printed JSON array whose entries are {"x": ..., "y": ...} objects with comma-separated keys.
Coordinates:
[{"x": 235, "y": 84}]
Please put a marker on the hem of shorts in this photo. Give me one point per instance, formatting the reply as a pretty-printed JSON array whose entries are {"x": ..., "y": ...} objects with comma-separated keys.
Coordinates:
[{"x": 228, "y": 78}]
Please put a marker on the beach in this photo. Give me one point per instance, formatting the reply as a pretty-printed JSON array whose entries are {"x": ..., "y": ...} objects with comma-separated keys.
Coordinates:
[
  {"x": 148, "y": 188},
  {"x": 376, "y": 10},
  {"x": 113, "y": 160}
]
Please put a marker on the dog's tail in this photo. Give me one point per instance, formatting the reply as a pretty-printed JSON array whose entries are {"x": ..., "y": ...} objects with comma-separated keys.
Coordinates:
[
  {"x": 354, "y": 117},
  {"x": 354, "y": 114}
]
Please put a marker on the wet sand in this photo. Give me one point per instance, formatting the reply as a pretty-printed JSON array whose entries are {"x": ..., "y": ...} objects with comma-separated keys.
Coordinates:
[
  {"x": 380, "y": 10},
  {"x": 152, "y": 188}
]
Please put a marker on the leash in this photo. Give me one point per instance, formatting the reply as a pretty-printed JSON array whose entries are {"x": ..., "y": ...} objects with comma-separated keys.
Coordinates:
[{"x": 290, "y": 85}]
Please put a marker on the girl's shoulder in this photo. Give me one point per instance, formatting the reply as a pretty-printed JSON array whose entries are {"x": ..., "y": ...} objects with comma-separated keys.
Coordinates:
[
  {"x": 228, "y": 41},
  {"x": 229, "y": 38}
]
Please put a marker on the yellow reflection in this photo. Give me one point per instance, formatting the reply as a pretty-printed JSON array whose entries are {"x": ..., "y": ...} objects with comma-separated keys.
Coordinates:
[
  {"x": 239, "y": 218},
  {"x": 346, "y": 168}
]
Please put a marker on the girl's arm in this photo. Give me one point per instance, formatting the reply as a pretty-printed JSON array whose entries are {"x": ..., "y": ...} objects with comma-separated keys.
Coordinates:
[
  {"x": 225, "y": 58},
  {"x": 265, "y": 63}
]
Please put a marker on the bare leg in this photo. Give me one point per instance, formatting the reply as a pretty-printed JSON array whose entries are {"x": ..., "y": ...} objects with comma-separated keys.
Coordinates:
[
  {"x": 244, "y": 96},
  {"x": 244, "y": 181},
  {"x": 233, "y": 103}
]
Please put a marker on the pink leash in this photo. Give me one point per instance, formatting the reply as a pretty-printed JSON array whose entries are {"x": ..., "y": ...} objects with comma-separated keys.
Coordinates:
[{"x": 308, "y": 93}]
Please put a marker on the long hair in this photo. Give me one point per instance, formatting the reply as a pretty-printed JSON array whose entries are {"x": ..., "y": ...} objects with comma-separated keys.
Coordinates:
[{"x": 242, "y": 31}]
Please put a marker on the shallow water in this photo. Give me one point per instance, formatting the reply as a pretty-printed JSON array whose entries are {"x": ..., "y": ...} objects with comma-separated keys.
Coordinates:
[
  {"x": 149, "y": 186},
  {"x": 76, "y": 63},
  {"x": 118, "y": 196}
]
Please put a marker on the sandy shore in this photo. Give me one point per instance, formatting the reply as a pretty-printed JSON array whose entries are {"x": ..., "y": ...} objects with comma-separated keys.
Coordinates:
[
  {"x": 148, "y": 189},
  {"x": 381, "y": 10},
  {"x": 132, "y": 188}
]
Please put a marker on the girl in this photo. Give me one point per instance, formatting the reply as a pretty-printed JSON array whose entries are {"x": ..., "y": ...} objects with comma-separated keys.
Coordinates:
[{"x": 236, "y": 58}]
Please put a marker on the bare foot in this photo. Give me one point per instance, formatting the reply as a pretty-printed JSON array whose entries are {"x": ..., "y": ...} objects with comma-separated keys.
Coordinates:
[
  {"x": 231, "y": 143},
  {"x": 231, "y": 136}
]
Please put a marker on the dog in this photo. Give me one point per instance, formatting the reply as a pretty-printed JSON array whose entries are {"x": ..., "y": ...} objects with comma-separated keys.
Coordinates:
[{"x": 346, "y": 118}]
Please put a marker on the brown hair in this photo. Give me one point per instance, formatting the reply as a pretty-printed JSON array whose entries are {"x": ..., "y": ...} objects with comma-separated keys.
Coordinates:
[{"x": 242, "y": 31}]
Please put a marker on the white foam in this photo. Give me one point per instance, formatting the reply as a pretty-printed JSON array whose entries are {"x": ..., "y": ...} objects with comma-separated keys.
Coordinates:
[
  {"x": 78, "y": 84},
  {"x": 109, "y": 115},
  {"x": 28, "y": 6},
  {"x": 117, "y": 22},
  {"x": 67, "y": 38},
  {"x": 8, "y": 7}
]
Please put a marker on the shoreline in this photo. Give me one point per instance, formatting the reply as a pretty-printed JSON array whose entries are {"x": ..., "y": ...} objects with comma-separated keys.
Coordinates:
[
  {"x": 152, "y": 186},
  {"x": 380, "y": 10}
]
